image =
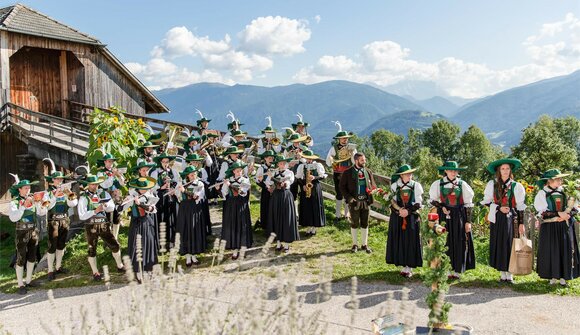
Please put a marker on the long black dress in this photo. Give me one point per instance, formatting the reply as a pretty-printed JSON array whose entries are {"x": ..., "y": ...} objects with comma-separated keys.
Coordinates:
[
  {"x": 403, "y": 238},
  {"x": 311, "y": 210},
  {"x": 191, "y": 223},
  {"x": 143, "y": 223},
  {"x": 167, "y": 205},
  {"x": 237, "y": 223},
  {"x": 282, "y": 213},
  {"x": 213, "y": 172},
  {"x": 558, "y": 255},
  {"x": 264, "y": 200}
]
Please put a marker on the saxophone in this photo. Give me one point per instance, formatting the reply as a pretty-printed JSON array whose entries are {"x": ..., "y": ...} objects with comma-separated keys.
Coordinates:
[{"x": 308, "y": 186}]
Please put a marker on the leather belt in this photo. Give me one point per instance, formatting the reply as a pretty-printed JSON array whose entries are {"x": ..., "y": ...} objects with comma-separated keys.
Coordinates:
[
  {"x": 97, "y": 220},
  {"x": 59, "y": 216}
]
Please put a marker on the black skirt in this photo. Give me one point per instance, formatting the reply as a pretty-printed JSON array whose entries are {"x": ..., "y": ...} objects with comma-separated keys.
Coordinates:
[
  {"x": 205, "y": 205},
  {"x": 311, "y": 210},
  {"x": 144, "y": 226},
  {"x": 167, "y": 212},
  {"x": 264, "y": 209},
  {"x": 459, "y": 245},
  {"x": 213, "y": 172},
  {"x": 404, "y": 246},
  {"x": 191, "y": 227},
  {"x": 558, "y": 251},
  {"x": 282, "y": 216},
  {"x": 501, "y": 234},
  {"x": 237, "y": 223}
]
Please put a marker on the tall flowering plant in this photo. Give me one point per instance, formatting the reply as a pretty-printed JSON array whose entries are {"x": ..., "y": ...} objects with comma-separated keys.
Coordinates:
[{"x": 380, "y": 196}]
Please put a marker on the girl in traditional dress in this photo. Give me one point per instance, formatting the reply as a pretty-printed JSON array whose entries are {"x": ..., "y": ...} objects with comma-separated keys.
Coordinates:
[
  {"x": 558, "y": 256},
  {"x": 167, "y": 178},
  {"x": 311, "y": 206},
  {"x": 453, "y": 198},
  {"x": 261, "y": 174},
  {"x": 191, "y": 224},
  {"x": 236, "y": 222},
  {"x": 197, "y": 161},
  {"x": 141, "y": 202},
  {"x": 231, "y": 155},
  {"x": 282, "y": 213},
  {"x": 506, "y": 200},
  {"x": 404, "y": 241}
]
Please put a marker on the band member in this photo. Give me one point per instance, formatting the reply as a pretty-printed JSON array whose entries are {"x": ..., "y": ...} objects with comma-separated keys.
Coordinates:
[
  {"x": 300, "y": 128},
  {"x": 269, "y": 141},
  {"x": 311, "y": 207},
  {"x": 213, "y": 170},
  {"x": 141, "y": 201},
  {"x": 236, "y": 136},
  {"x": 114, "y": 180},
  {"x": 234, "y": 125},
  {"x": 191, "y": 144},
  {"x": 146, "y": 152},
  {"x": 167, "y": 178},
  {"x": 61, "y": 199},
  {"x": 354, "y": 185},
  {"x": 199, "y": 163},
  {"x": 191, "y": 219},
  {"x": 403, "y": 239},
  {"x": 261, "y": 174},
  {"x": 159, "y": 139},
  {"x": 202, "y": 123},
  {"x": 294, "y": 151},
  {"x": 24, "y": 211},
  {"x": 340, "y": 158},
  {"x": 558, "y": 256},
  {"x": 506, "y": 200},
  {"x": 94, "y": 204},
  {"x": 231, "y": 155},
  {"x": 453, "y": 198},
  {"x": 282, "y": 211},
  {"x": 237, "y": 223}
]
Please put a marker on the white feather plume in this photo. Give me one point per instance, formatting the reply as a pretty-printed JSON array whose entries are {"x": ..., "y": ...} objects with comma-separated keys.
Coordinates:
[
  {"x": 51, "y": 163},
  {"x": 149, "y": 129},
  {"x": 186, "y": 132},
  {"x": 300, "y": 117},
  {"x": 199, "y": 112},
  {"x": 82, "y": 167},
  {"x": 17, "y": 180},
  {"x": 231, "y": 116},
  {"x": 338, "y": 125},
  {"x": 269, "y": 118}
]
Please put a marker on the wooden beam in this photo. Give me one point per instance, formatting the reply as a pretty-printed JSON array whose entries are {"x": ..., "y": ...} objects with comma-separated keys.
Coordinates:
[
  {"x": 63, "y": 86},
  {"x": 4, "y": 69}
]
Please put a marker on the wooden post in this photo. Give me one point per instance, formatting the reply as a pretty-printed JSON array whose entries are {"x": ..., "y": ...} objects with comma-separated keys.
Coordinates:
[{"x": 63, "y": 85}]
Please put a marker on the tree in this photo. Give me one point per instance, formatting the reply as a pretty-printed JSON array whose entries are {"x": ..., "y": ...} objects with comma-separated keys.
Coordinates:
[
  {"x": 426, "y": 165},
  {"x": 543, "y": 147},
  {"x": 442, "y": 139},
  {"x": 476, "y": 151},
  {"x": 568, "y": 129},
  {"x": 389, "y": 146}
]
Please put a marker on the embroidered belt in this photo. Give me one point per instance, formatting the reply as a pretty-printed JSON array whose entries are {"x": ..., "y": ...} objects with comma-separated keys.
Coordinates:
[
  {"x": 97, "y": 220},
  {"x": 25, "y": 226},
  {"x": 361, "y": 197},
  {"x": 59, "y": 216}
]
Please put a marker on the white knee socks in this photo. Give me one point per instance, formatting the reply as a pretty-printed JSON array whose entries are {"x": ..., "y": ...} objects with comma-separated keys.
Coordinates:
[
  {"x": 337, "y": 205},
  {"x": 354, "y": 234},
  {"x": 20, "y": 275},
  {"x": 93, "y": 264},
  {"x": 364, "y": 235},
  {"x": 59, "y": 254},
  {"x": 29, "y": 270},
  {"x": 116, "y": 230},
  {"x": 117, "y": 257},
  {"x": 346, "y": 214},
  {"x": 50, "y": 260}
]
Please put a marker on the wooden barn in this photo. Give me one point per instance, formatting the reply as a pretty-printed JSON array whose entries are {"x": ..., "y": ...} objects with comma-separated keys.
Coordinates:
[{"x": 50, "y": 75}]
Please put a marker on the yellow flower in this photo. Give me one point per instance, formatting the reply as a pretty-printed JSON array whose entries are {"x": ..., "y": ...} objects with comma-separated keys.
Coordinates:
[{"x": 115, "y": 120}]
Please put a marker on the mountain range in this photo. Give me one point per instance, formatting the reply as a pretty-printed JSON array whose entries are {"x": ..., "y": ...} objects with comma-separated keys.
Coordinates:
[{"x": 363, "y": 108}]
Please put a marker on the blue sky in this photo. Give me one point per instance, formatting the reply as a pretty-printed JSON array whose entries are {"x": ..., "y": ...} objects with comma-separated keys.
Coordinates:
[{"x": 466, "y": 48}]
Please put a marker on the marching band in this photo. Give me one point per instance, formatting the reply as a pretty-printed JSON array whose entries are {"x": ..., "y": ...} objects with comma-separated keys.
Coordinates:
[{"x": 172, "y": 188}]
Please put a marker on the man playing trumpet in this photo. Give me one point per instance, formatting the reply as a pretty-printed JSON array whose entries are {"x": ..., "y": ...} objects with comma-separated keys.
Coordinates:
[
  {"x": 61, "y": 199},
  {"x": 113, "y": 182}
]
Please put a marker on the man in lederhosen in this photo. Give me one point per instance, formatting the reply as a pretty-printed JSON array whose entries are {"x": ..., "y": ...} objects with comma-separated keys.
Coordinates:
[
  {"x": 340, "y": 158},
  {"x": 23, "y": 211},
  {"x": 112, "y": 184},
  {"x": 355, "y": 184},
  {"x": 94, "y": 204},
  {"x": 61, "y": 199}
]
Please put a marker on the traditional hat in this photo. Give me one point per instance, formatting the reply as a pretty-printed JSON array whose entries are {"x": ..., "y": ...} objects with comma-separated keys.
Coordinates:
[
  {"x": 106, "y": 157},
  {"x": 451, "y": 165},
  {"x": 232, "y": 150},
  {"x": 341, "y": 133},
  {"x": 513, "y": 162},
  {"x": 159, "y": 158},
  {"x": 158, "y": 137},
  {"x": 19, "y": 183},
  {"x": 233, "y": 120},
  {"x": 142, "y": 183},
  {"x": 203, "y": 119},
  {"x": 148, "y": 144},
  {"x": 281, "y": 158},
  {"x": 142, "y": 164},
  {"x": 194, "y": 158},
  {"x": 191, "y": 139},
  {"x": 300, "y": 122},
  {"x": 236, "y": 165},
  {"x": 188, "y": 170},
  {"x": 268, "y": 153},
  {"x": 405, "y": 169},
  {"x": 308, "y": 154},
  {"x": 296, "y": 138},
  {"x": 550, "y": 174},
  {"x": 91, "y": 179},
  {"x": 238, "y": 133},
  {"x": 53, "y": 173},
  {"x": 245, "y": 143},
  {"x": 269, "y": 128}
]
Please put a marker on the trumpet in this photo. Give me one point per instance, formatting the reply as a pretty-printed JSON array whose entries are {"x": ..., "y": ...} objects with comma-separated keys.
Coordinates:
[
  {"x": 308, "y": 139},
  {"x": 308, "y": 186},
  {"x": 275, "y": 141}
]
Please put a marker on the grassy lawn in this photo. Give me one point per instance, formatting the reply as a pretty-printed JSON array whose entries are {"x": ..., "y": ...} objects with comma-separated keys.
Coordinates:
[{"x": 333, "y": 241}]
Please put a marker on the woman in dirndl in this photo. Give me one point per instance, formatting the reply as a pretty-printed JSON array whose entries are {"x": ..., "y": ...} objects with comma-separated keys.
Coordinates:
[{"x": 311, "y": 206}]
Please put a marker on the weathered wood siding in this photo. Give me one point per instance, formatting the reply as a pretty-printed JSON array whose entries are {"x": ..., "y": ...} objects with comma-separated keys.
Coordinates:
[{"x": 10, "y": 147}]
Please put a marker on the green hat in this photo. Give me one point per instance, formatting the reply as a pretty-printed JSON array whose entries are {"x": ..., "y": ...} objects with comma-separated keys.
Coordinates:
[
  {"x": 238, "y": 133},
  {"x": 56, "y": 175},
  {"x": 209, "y": 135},
  {"x": 513, "y": 162},
  {"x": 191, "y": 139},
  {"x": 106, "y": 157},
  {"x": 236, "y": 165},
  {"x": 268, "y": 153},
  {"x": 268, "y": 129},
  {"x": 194, "y": 158},
  {"x": 159, "y": 158},
  {"x": 451, "y": 165},
  {"x": 400, "y": 171},
  {"x": 295, "y": 137},
  {"x": 308, "y": 154},
  {"x": 300, "y": 122},
  {"x": 142, "y": 164},
  {"x": 281, "y": 158},
  {"x": 91, "y": 179},
  {"x": 245, "y": 143},
  {"x": 550, "y": 174},
  {"x": 23, "y": 183},
  {"x": 187, "y": 171},
  {"x": 342, "y": 134},
  {"x": 231, "y": 124},
  {"x": 203, "y": 119},
  {"x": 232, "y": 150},
  {"x": 142, "y": 183},
  {"x": 148, "y": 144},
  {"x": 158, "y": 138}
]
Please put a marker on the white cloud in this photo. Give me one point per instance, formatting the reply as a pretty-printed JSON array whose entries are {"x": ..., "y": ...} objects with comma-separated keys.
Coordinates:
[
  {"x": 317, "y": 18},
  {"x": 553, "y": 51},
  {"x": 274, "y": 35}
]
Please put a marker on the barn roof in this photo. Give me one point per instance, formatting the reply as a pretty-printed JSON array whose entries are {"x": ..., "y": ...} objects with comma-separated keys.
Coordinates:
[{"x": 24, "y": 20}]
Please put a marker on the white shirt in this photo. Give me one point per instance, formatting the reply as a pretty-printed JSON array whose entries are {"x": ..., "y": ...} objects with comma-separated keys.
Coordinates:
[
  {"x": 84, "y": 214},
  {"x": 53, "y": 198},
  {"x": 417, "y": 190},
  {"x": 16, "y": 209},
  {"x": 150, "y": 200},
  {"x": 466, "y": 191},
  {"x": 243, "y": 182},
  {"x": 196, "y": 187},
  {"x": 519, "y": 196},
  {"x": 286, "y": 176},
  {"x": 108, "y": 183},
  {"x": 224, "y": 168},
  {"x": 301, "y": 173},
  {"x": 331, "y": 153}
]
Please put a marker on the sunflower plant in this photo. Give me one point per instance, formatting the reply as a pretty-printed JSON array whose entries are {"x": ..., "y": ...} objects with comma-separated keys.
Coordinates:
[{"x": 114, "y": 133}]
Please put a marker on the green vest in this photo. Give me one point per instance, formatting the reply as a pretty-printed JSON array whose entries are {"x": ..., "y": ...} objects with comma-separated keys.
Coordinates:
[
  {"x": 29, "y": 215},
  {"x": 61, "y": 206},
  {"x": 407, "y": 195},
  {"x": 556, "y": 201},
  {"x": 451, "y": 196}
]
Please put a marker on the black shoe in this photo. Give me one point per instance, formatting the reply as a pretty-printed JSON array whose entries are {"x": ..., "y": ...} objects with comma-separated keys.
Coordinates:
[
  {"x": 313, "y": 233},
  {"x": 279, "y": 248},
  {"x": 97, "y": 277},
  {"x": 188, "y": 264},
  {"x": 367, "y": 249},
  {"x": 287, "y": 249},
  {"x": 22, "y": 290},
  {"x": 354, "y": 248},
  {"x": 51, "y": 276},
  {"x": 121, "y": 269},
  {"x": 62, "y": 271},
  {"x": 32, "y": 284},
  {"x": 196, "y": 262},
  {"x": 235, "y": 257}
]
